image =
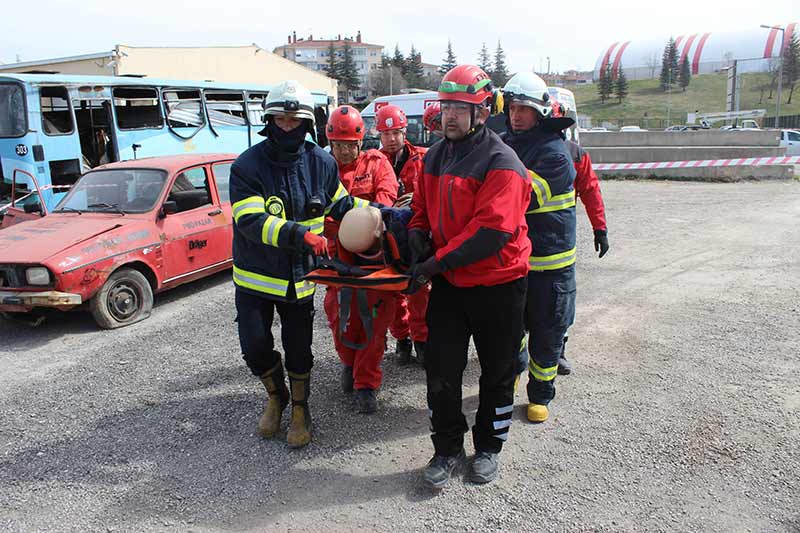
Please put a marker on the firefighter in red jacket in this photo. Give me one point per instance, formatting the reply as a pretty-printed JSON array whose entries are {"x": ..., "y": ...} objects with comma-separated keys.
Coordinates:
[
  {"x": 367, "y": 175},
  {"x": 409, "y": 320},
  {"x": 469, "y": 236}
]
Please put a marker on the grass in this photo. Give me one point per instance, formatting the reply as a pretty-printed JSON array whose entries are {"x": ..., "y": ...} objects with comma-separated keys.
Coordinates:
[{"x": 706, "y": 93}]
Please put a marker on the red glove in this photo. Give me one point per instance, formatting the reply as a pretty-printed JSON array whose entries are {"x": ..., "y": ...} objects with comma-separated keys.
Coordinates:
[{"x": 316, "y": 244}]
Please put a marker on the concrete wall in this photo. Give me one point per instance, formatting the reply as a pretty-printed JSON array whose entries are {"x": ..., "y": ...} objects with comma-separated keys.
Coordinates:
[
  {"x": 235, "y": 64},
  {"x": 591, "y": 139},
  {"x": 646, "y": 154},
  {"x": 727, "y": 174}
]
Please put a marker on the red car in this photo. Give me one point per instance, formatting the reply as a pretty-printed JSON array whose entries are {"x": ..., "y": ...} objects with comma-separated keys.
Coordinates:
[{"x": 124, "y": 232}]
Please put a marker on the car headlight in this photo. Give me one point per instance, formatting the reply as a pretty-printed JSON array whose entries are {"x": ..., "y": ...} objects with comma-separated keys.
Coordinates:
[{"x": 37, "y": 276}]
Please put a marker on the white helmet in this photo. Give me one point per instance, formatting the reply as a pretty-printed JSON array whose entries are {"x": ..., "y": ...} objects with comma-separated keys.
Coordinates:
[
  {"x": 290, "y": 97},
  {"x": 360, "y": 229},
  {"x": 528, "y": 89}
]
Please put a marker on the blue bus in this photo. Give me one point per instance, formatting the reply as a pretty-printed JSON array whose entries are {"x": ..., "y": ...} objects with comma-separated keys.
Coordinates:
[{"x": 53, "y": 127}]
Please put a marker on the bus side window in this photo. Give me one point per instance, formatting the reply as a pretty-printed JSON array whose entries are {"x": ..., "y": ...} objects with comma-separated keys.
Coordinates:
[
  {"x": 56, "y": 117},
  {"x": 255, "y": 108},
  {"x": 184, "y": 109},
  {"x": 225, "y": 108},
  {"x": 137, "y": 108}
]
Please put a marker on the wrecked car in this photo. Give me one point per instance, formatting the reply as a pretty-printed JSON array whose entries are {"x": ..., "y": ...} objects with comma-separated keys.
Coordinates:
[{"x": 124, "y": 232}]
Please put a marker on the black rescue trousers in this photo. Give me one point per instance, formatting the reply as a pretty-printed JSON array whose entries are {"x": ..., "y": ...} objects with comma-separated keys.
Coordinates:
[
  {"x": 493, "y": 317},
  {"x": 254, "y": 316}
]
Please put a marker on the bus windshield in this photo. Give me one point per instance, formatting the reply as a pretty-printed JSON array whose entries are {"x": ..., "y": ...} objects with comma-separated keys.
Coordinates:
[
  {"x": 125, "y": 190},
  {"x": 12, "y": 111}
]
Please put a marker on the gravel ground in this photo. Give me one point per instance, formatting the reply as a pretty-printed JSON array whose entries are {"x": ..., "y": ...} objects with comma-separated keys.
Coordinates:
[{"x": 683, "y": 413}]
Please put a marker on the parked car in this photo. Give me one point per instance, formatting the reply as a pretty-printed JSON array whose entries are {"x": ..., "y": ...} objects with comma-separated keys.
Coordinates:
[
  {"x": 791, "y": 140},
  {"x": 599, "y": 129},
  {"x": 124, "y": 231},
  {"x": 687, "y": 127},
  {"x": 624, "y": 129}
]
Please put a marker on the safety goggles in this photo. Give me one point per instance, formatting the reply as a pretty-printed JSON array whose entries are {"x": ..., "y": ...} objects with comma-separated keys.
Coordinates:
[
  {"x": 453, "y": 87},
  {"x": 509, "y": 97}
]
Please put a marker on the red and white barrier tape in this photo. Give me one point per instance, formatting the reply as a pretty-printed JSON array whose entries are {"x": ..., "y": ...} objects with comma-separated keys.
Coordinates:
[{"x": 750, "y": 161}]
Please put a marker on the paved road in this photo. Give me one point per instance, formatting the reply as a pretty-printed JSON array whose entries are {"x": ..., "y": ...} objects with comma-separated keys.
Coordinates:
[{"x": 683, "y": 412}]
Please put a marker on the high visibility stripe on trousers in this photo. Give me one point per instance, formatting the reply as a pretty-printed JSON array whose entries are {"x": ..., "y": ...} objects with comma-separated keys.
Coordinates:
[
  {"x": 552, "y": 262},
  {"x": 502, "y": 425},
  {"x": 541, "y": 373}
]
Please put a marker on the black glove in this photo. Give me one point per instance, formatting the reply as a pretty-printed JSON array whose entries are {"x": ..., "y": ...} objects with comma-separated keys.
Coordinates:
[
  {"x": 422, "y": 273},
  {"x": 420, "y": 244},
  {"x": 601, "y": 241}
]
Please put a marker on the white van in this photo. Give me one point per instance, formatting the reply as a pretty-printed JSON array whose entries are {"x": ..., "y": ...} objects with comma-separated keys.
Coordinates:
[{"x": 414, "y": 105}]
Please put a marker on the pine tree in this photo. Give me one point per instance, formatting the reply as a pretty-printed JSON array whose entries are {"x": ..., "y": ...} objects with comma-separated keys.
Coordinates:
[
  {"x": 499, "y": 73},
  {"x": 685, "y": 74},
  {"x": 605, "y": 85},
  {"x": 621, "y": 85},
  {"x": 484, "y": 59},
  {"x": 669, "y": 65},
  {"x": 386, "y": 61},
  {"x": 348, "y": 71},
  {"x": 332, "y": 67},
  {"x": 791, "y": 65},
  {"x": 450, "y": 61},
  {"x": 399, "y": 61},
  {"x": 415, "y": 74}
]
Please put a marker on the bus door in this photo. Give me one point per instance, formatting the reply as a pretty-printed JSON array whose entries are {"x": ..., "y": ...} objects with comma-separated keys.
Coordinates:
[
  {"x": 255, "y": 116},
  {"x": 62, "y": 158},
  {"x": 95, "y": 132}
]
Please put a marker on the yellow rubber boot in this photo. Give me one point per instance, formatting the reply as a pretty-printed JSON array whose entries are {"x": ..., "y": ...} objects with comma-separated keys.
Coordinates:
[
  {"x": 299, "y": 433},
  {"x": 270, "y": 421},
  {"x": 537, "y": 413}
]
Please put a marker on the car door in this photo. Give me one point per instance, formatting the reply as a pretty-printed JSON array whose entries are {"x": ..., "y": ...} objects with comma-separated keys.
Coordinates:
[
  {"x": 792, "y": 143},
  {"x": 221, "y": 173},
  {"x": 194, "y": 236}
]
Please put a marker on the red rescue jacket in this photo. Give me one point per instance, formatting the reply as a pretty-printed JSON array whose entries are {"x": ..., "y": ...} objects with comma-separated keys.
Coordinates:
[
  {"x": 587, "y": 186},
  {"x": 478, "y": 183},
  {"x": 412, "y": 169},
  {"x": 370, "y": 177}
]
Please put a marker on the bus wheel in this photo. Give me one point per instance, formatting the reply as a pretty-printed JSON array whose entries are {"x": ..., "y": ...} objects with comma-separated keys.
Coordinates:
[{"x": 126, "y": 297}]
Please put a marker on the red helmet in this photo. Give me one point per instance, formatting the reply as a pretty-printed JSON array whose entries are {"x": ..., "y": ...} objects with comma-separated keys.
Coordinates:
[
  {"x": 345, "y": 124},
  {"x": 466, "y": 83},
  {"x": 390, "y": 117},
  {"x": 556, "y": 109},
  {"x": 432, "y": 118}
]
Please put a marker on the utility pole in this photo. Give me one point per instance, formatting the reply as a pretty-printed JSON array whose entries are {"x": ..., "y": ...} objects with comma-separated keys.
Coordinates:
[{"x": 780, "y": 72}]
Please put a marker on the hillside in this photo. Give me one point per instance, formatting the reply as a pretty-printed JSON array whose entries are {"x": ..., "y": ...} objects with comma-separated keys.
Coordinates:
[{"x": 706, "y": 93}]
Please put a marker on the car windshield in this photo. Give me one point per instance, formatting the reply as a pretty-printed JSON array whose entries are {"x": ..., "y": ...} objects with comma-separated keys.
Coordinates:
[
  {"x": 126, "y": 190},
  {"x": 12, "y": 111}
]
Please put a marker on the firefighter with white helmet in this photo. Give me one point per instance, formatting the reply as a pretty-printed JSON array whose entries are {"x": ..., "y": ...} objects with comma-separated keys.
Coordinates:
[
  {"x": 281, "y": 189},
  {"x": 536, "y": 138}
]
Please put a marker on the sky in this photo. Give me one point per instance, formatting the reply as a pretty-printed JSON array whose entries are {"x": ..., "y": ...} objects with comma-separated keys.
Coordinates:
[{"x": 571, "y": 34}]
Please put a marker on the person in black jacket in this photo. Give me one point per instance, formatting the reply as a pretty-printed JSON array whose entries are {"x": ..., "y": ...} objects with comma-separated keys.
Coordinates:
[{"x": 281, "y": 190}]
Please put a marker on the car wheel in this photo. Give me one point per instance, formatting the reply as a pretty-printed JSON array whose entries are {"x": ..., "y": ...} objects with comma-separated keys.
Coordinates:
[{"x": 125, "y": 298}]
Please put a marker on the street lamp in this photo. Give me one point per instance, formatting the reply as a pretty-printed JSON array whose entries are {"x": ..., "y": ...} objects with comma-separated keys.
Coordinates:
[{"x": 780, "y": 72}]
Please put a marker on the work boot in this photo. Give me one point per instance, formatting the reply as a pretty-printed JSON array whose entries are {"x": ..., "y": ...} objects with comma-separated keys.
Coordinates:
[
  {"x": 537, "y": 413},
  {"x": 564, "y": 366},
  {"x": 419, "y": 348},
  {"x": 346, "y": 379},
  {"x": 270, "y": 421},
  {"x": 439, "y": 469},
  {"x": 403, "y": 351},
  {"x": 299, "y": 432},
  {"x": 367, "y": 401},
  {"x": 483, "y": 467}
]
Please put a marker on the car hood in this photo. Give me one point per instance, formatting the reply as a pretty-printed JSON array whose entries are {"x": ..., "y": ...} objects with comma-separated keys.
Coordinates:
[{"x": 37, "y": 240}]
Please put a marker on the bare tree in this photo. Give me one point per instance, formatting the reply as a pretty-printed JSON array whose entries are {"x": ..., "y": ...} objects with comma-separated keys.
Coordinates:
[
  {"x": 384, "y": 81},
  {"x": 653, "y": 62}
]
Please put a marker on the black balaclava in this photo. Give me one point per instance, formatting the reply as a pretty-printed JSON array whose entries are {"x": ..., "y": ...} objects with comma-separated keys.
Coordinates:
[{"x": 287, "y": 141}]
